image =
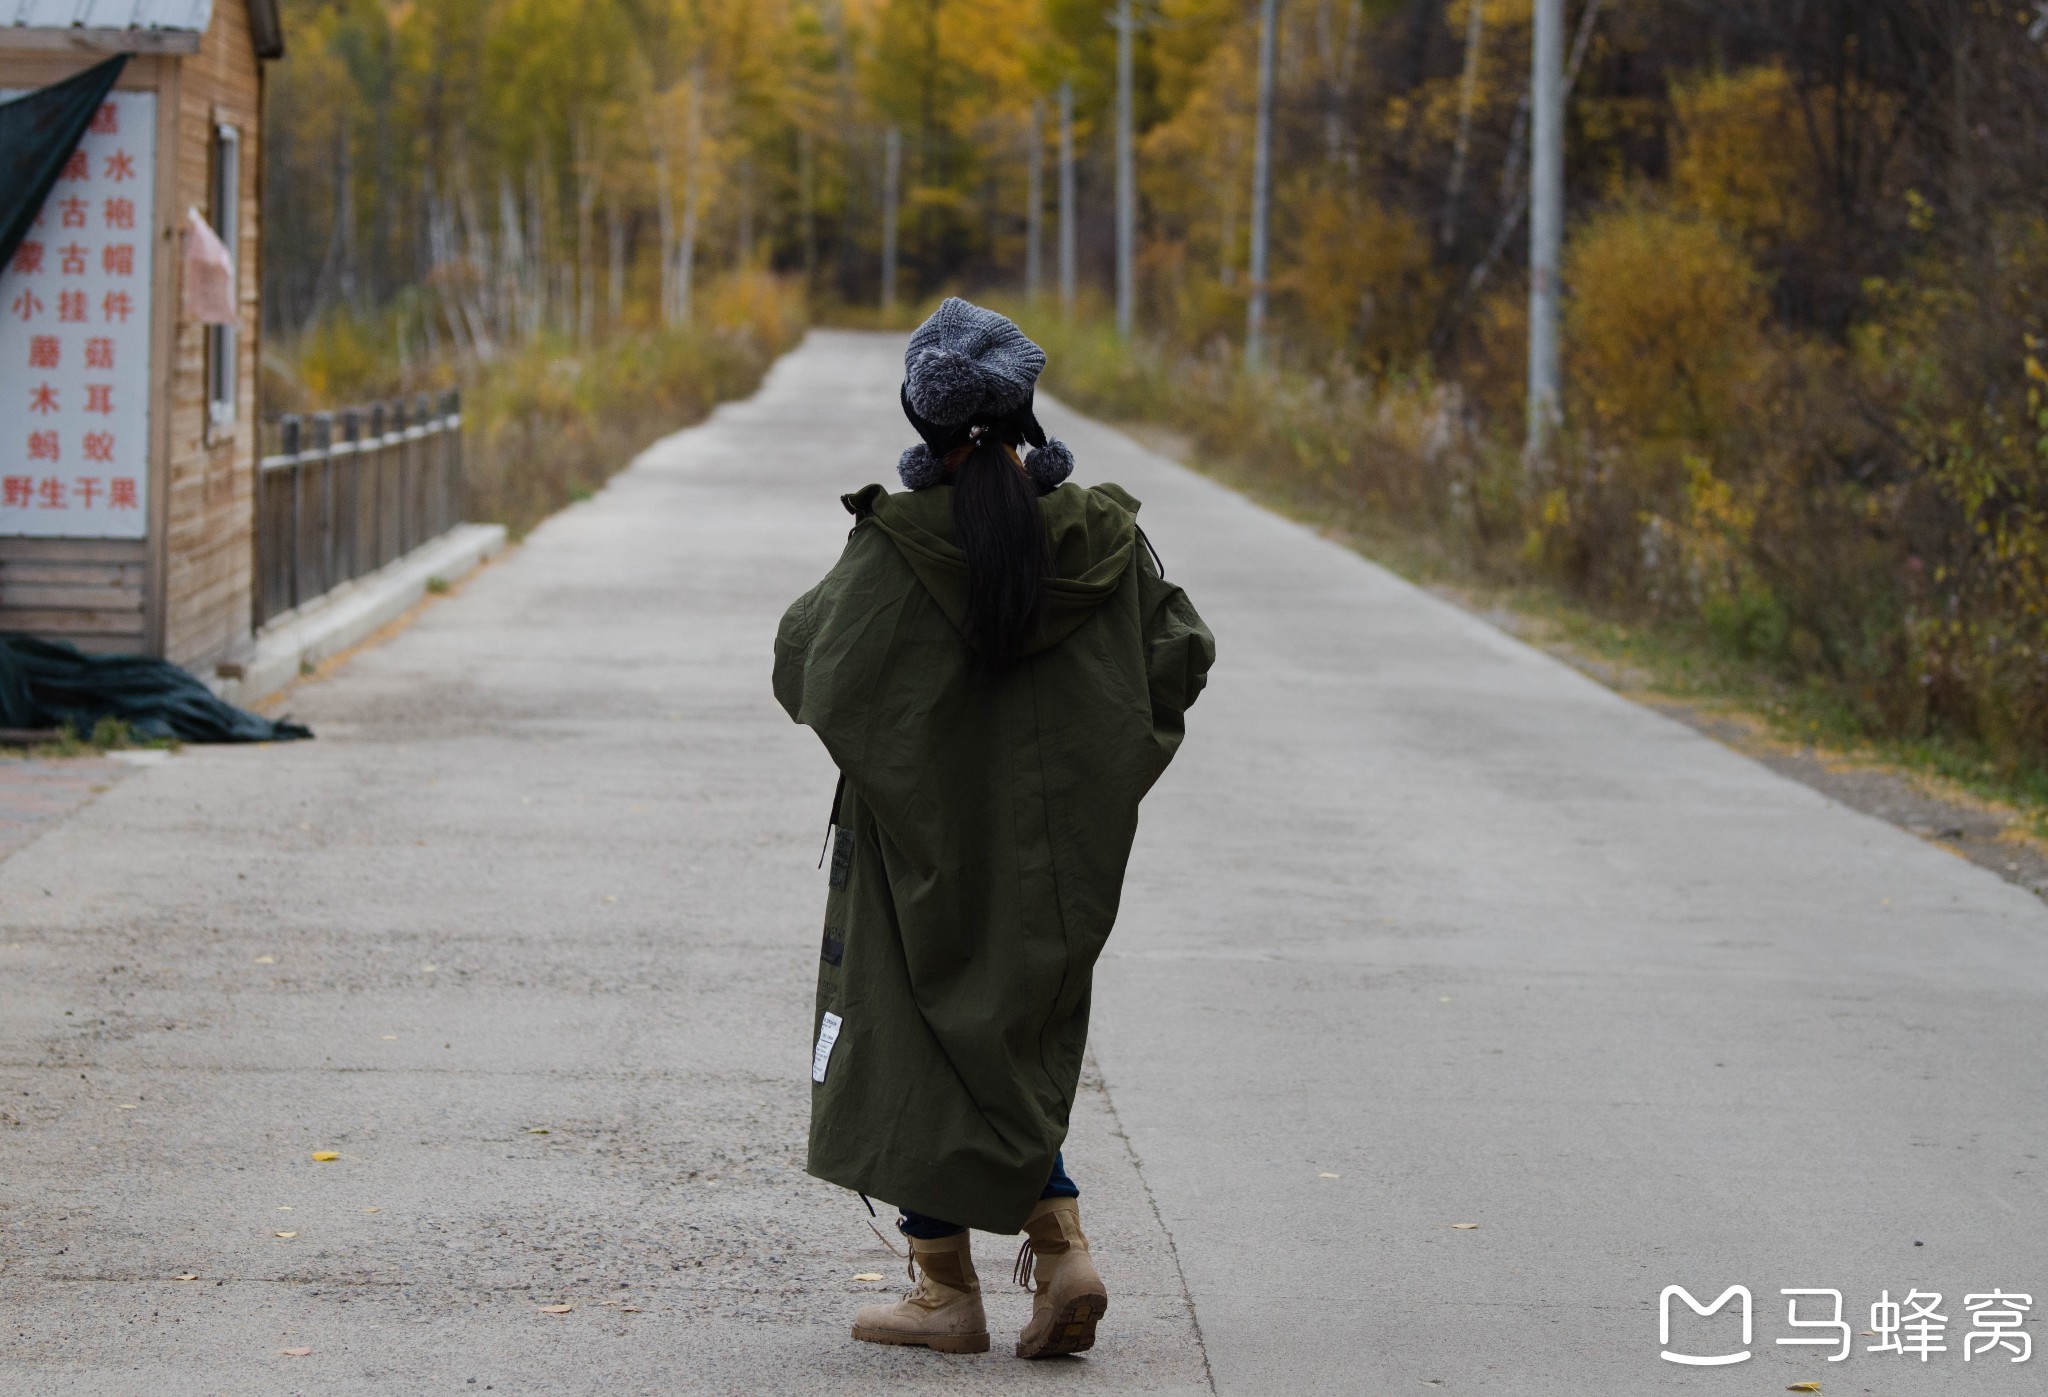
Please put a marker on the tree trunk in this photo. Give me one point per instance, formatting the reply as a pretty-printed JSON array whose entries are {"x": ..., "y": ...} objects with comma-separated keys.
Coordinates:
[
  {"x": 1262, "y": 193},
  {"x": 892, "y": 175},
  {"x": 586, "y": 207},
  {"x": 1067, "y": 210},
  {"x": 693, "y": 179},
  {"x": 1546, "y": 219},
  {"x": 665, "y": 223},
  {"x": 1034, "y": 199},
  {"x": 615, "y": 280},
  {"x": 1468, "y": 94},
  {"x": 807, "y": 204},
  {"x": 1126, "y": 176}
]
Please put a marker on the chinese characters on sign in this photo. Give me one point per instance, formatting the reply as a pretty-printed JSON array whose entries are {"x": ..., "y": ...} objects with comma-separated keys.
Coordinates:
[
  {"x": 74, "y": 340},
  {"x": 1913, "y": 1327}
]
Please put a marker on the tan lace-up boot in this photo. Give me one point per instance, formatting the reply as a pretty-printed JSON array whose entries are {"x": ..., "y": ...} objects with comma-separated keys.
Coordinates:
[
  {"x": 942, "y": 1312},
  {"x": 1068, "y": 1297}
]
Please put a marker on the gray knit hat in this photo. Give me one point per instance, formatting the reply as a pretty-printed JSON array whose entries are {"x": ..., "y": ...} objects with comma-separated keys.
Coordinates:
[{"x": 969, "y": 371}]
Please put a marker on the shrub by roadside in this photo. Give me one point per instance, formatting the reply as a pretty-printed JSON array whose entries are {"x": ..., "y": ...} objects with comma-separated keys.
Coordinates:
[{"x": 547, "y": 422}]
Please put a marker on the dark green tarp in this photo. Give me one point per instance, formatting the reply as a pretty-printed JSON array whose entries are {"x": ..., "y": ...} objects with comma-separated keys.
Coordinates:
[
  {"x": 38, "y": 132},
  {"x": 47, "y": 684}
]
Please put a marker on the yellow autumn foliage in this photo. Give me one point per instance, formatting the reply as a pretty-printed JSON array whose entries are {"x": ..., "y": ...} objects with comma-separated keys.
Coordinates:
[
  {"x": 1740, "y": 156},
  {"x": 1365, "y": 278},
  {"x": 1664, "y": 323}
]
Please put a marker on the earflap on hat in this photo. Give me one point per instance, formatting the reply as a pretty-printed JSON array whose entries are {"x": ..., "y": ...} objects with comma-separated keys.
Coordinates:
[{"x": 1049, "y": 462}]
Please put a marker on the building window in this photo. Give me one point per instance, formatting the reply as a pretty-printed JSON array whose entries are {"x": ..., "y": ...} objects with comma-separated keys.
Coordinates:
[{"x": 225, "y": 200}]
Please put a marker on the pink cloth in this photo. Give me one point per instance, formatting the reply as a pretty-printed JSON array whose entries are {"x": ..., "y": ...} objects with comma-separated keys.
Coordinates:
[{"x": 209, "y": 274}]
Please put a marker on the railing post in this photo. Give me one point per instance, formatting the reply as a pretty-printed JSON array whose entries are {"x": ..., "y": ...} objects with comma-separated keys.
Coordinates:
[
  {"x": 424, "y": 517},
  {"x": 458, "y": 487},
  {"x": 378, "y": 453},
  {"x": 451, "y": 459},
  {"x": 403, "y": 500},
  {"x": 281, "y": 567},
  {"x": 352, "y": 434},
  {"x": 314, "y": 555}
]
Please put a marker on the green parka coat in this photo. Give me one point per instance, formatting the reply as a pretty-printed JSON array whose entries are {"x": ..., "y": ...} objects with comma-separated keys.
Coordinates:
[{"x": 980, "y": 840}]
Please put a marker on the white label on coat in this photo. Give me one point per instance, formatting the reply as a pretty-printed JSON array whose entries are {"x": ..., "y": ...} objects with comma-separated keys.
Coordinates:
[{"x": 828, "y": 1034}]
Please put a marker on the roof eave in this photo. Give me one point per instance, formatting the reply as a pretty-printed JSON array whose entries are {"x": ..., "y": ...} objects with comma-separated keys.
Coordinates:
[{"x": 266, "y": 28}]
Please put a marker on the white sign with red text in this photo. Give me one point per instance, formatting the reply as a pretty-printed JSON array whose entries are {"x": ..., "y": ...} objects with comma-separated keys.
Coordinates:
[{"x": 74, "y": 340}]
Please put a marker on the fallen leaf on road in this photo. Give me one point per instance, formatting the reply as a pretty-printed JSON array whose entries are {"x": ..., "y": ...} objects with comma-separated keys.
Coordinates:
[
  {"x": 556, "y": 1309},
  {"x": 373, "y": 1210},
  {"x": 536, "y": 1130},
  {"x": 629, "y": 1309},
  {"x": 324, "y": 1156},
  {"x": 266, "y": 960},
  {"x": 295, "y": 1352},
  {"x": 126, "y": 1106},
  {"x": 869, "y": 1276},
  {"x": 1326, "y": 1174},
  {"x": 185, "y": 1276},
  {"x": 430, "y": 969},
  {"x": 1870, "y": 1333},
  {"x": 391, "y": 1038},
  {"x": 1465, "y": 1226},
  {"x": 611, "y": 1302},
  {"x": 1804, "y": 1387},
  {"x": 286, "y": 1235}
]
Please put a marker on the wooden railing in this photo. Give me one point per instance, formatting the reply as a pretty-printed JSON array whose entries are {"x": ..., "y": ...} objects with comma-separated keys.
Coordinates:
[{"x": 348, "y": 492}]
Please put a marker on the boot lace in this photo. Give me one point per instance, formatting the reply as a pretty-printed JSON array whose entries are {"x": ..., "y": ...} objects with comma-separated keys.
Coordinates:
[{"x": 1027, "y": 1267}]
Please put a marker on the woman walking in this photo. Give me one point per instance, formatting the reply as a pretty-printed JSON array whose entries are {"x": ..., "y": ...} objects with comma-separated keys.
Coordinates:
[{"x": 999, "y": 670}]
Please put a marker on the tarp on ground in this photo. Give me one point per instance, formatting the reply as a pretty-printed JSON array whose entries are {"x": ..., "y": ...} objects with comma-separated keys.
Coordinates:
[
  {"x": 38, "y": 132},
  {"x": 48, "y": 684}
]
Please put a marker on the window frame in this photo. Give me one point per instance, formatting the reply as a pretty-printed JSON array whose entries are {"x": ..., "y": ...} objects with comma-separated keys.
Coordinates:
[{"x": 224, "y": 196}]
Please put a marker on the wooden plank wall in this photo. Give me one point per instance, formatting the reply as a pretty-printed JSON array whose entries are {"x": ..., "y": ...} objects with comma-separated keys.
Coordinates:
[
  {"x": 208, "y": 548},
  {"x": 86, "y": 591}
]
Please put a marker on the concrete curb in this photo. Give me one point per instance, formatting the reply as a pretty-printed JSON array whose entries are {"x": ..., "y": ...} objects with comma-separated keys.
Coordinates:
[{"x": 356, "y": 610}]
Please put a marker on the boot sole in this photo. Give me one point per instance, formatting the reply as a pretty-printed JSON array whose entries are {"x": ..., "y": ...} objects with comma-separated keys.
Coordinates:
[
  {"x": 1072, "y": 1331},
  {"x": 937, "y": 1343}
]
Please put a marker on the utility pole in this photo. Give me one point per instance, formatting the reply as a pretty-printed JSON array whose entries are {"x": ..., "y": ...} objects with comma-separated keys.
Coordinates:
[
  {"x": 1034, "y": 222},
  {"x": 892, "y": 175},
  {"x": 1067, "y": 259},
  {"x": 1126, "y": 178},
  {"x": 1546, "y": 219},
  {"x": 1262, "y": 193}
]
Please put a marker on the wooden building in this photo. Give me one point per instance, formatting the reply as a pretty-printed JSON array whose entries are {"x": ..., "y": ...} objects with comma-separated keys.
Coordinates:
[{"x": 128, "y": 432}]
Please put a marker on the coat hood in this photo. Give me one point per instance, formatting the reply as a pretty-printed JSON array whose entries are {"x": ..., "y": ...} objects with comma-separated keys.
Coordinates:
[{"x": 1092, "y": 532}]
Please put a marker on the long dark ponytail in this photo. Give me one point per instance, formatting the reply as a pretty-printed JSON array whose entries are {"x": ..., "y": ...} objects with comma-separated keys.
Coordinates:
[{"x": 1000, "y": 529}]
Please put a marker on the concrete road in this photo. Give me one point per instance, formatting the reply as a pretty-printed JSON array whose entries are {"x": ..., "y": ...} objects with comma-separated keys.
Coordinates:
[{"x": 1423, "y": 929}]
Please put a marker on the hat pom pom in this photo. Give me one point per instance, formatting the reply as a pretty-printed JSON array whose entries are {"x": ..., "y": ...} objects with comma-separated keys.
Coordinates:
[
  {"x": 917, "y": 469},
  {"x": 945, "y": 386},
  {"x": 1049, "y": 465}
]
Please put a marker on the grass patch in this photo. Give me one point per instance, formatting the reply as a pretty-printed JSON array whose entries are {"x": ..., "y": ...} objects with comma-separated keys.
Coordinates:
[{"x": 107, "y": 735}]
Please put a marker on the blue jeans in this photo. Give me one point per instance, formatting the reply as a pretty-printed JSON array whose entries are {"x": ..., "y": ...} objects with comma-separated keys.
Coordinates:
[{"x": 931, "y": 1229}]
